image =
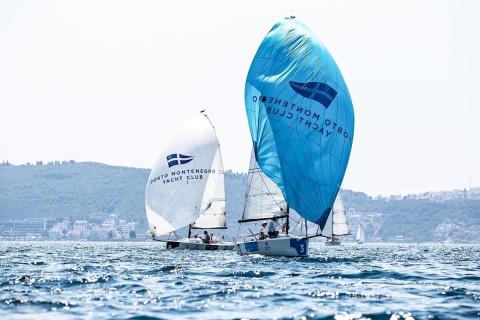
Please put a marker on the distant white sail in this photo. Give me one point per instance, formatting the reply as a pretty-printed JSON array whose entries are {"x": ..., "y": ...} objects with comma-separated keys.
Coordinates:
[
  {"x": 183, "y": 182},
  {"x": 360, "y": 234},
  {"x": 340, "y": 225}
]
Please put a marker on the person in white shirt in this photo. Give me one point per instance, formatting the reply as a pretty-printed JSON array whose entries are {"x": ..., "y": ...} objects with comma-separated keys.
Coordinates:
[
  {"x": 272, "y": 228},
  {"x": 262, "y": 234}
]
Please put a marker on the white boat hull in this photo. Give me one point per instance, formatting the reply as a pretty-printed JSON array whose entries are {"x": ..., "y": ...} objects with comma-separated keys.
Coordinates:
[
  {"x": 185, "y": 245},
  {"x": 286, "y": 246},
  {"x": 332, "y": 243}
]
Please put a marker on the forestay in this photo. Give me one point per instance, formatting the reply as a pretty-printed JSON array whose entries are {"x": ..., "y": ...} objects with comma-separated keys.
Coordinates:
[
  {"x": 184, "y": 182},
  {"x": 301, "y": 118}
]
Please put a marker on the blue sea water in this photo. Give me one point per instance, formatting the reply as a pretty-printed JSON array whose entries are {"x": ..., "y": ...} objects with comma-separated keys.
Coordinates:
[{"x": 87, "y": 280}]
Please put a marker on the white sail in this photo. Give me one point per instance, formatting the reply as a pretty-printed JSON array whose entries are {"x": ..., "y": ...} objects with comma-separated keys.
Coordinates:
[
  {"x": 182, "y": 183},
  {"x": 263, "y": 198},
  {"x": 214, "y": 216},
  {"x": 360, "y": 234},
  {"x": 340, "y": 225}
]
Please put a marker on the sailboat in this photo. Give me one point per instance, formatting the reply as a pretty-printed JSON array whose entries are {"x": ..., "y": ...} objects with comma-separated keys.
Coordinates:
[
  {"x": 360, "y": 235},
  {"x": 186, "y": 187},
  {"x": 339, "y": 223},
  {"x": 263, "y": 201},
  {"x": 301, "y": 123}
]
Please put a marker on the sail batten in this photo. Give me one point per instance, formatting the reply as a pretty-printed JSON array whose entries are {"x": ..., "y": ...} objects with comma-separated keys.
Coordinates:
[{"x": 301, "y": 119}]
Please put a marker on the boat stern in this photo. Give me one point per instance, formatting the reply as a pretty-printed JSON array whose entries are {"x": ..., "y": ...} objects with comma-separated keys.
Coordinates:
[{"x": 283, "y": 246}]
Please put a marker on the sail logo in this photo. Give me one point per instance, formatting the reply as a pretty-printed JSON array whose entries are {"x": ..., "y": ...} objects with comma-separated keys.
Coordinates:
[
  {"x": 318, "y": 91},
  {"x": 178, "y": 159}
]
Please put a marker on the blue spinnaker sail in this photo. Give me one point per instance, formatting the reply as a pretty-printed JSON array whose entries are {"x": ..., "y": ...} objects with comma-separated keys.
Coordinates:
[{"x": 301, "y": 118}]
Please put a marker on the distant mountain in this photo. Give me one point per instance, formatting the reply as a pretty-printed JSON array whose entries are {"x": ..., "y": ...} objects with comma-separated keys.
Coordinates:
[
  {"x": 94, "y": 191},
  {"x": 88, "y": 190},
  {"x": 421, "y": 220}
]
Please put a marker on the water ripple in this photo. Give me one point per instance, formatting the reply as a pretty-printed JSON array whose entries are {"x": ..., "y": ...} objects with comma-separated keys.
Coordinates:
[{"x": 69, "y": 280}]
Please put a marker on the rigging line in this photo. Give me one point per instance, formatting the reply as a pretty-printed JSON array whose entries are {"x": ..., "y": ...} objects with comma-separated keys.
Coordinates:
[
  {"x": 253, "y": 234},
  {"x": 268, "y": 190},
  {"x": 301, "y": 224},
  {"x": 249, "y": 185},
  {"x": 294, "y": 227}
]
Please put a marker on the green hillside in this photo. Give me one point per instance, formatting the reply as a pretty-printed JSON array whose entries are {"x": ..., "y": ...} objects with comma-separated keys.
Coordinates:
[
  {"x": 94, "y": 191},
  {"x": 457, "y": 220},
  {"x": 86, "y": 190}
]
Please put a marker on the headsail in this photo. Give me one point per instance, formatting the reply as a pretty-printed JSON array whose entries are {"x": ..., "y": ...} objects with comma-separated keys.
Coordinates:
[
  {"x": 183, "y": 183},
  {"x": 301, "y": 118},
  {"x": 214, "y": 216}
]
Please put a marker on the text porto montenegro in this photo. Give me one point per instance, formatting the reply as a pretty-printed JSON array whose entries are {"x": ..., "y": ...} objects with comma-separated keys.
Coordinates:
[
  {"x": 182, "y": 175},
  {"x": 304, "y": 117}
]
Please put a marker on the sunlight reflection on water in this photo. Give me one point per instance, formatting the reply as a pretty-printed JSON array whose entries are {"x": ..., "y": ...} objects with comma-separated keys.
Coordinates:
[{"x": 143, "y": 281}]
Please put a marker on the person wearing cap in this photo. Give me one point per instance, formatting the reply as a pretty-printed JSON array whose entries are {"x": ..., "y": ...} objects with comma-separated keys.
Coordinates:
[
  {"x": 263, "y": 232},
  {"x": 272, "y": 228}
]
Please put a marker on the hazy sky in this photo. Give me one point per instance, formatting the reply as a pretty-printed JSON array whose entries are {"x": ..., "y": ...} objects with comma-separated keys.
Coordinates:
[{"x": 109, "y": 81}]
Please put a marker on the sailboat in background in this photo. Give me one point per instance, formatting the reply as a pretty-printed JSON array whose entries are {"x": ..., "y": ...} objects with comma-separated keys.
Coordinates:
[
  {"x": 186, "y": 187},
  {"x": 301, "y": 121},
  {"x": 360, "y": 235},
  {"x": 339, "y": 222}
]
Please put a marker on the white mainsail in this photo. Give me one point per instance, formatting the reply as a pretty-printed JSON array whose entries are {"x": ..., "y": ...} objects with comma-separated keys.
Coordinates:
[
  {"x": 263, "y": 198},
  {"x": 339, "y": 221},
  {"x": 184, "y": 182}
]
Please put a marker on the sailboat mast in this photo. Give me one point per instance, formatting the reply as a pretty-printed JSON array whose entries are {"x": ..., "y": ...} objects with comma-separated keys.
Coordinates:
[
  {"x": 333, "y": 235},
  {"x": 287, "y": 225},
  {"x": 306, "y": 228}
]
